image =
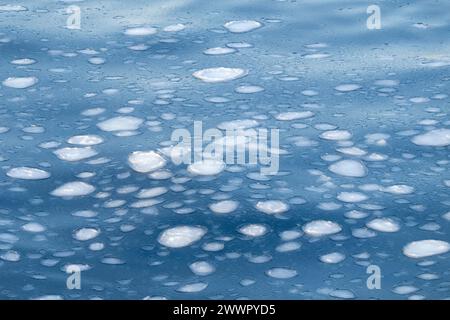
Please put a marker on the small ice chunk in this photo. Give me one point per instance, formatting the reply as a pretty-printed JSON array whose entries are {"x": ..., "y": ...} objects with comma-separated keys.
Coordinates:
[
  {"x": 10, "y": 256},
  {"x": 446, "y": 216},
  {"x": 383, "y": 225},
  {"x": 404, "y": 289},
  {"x": 20, "y": 82},
  {"x": 85, "y": 234},
  {"x": 85, "y": 140},
  {"x": 272, "y": 206},
  {"x": 349, "y": 168},
  {"x": 253, "y": 230},
  {"x": 93, "y": 112},
  {"x": 334, "y": 257},
  {"x": 96, "y": 60},
  {"x": 248, "y": 89},
  {"x": 288, "y": 246},
  {"x": 193, "y": 287},
  {"x": 294, "y": 115},
  {"x": 12, "y": 8},
  {"x": 207, "y": 167},
  {"x": 145, "y": 161},
  {"x": 140, "y": 31},
  {"x": 23, "y": 62},
  {"x": 125, "y": 123},
  {"x": 336, "y": 135},
  {"x": 342, "y": 294},
  {"x": 181, "y": 236},
  {"x": 73, "y": 189},
  {"x": 352, "y": 151},
  {"x": 425, "y": 248},
  {"x": 27, "y": 173},
  {"x": 398, "y": 189},
  {"x": 220, "y": 74},
  {"x": 351, "y": 197},
  {"x": 240, "y": 124},
  {"x": 281, "y": 273},
  {"x": 33, "y": 227},
  {"x": 319, "y": 228},
  {"x": 219, "y": 51},
  {"x": 433, "y": 138},
  {"x": 151, "y": 192},
  {"x": 224, "y": 207},
  {"x": 241, "y": 26},
  {"x": 75, "y": 154},
  {"x": 347, "y": 87},
  {"x": 363, "y": 233},
  {"x": 202, "y": 268},
  {"x": 175, "y": 27}
]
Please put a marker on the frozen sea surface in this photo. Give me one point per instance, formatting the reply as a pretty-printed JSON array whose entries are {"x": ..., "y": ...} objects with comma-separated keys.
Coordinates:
[{"x": 89, "y": 177}]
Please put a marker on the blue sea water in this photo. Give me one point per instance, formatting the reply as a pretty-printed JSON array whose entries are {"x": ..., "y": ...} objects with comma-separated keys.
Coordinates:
[{"x": 380, "y": 94}]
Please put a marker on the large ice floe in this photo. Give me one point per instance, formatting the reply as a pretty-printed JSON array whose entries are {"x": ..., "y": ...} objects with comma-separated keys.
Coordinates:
[
  {"x": 220, "y": 74},
  {"x": 145, "y": 161},
  {"x": 426, "y": 248},
  {"x": 181, "y": 236}
]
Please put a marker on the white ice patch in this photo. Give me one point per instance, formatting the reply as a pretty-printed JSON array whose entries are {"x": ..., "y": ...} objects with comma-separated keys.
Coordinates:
[
  {"x": 11, "y": 256},
  {"x": 253, "y": 230},
  {"x": 248, "y": 89},
  {"x": 383, "y": 225},
  {"x": 352, "y": 151},
  {"x": 425, "y": 248},
  {"x": 145, "y": 161},
  {"x": 140, "y": 31},
  {"x": 219, "y": 51},
  {"x": 85, "y": 234},
  {"x": 85, "y": 140},
  {"x": 202, "y": 268},
  {"x": 221, "y": 74},
  {"x": 334, "y": 257},
  {"x": 446, "y": 216},
  {"x": 20, "y": 82},
  {"x": 33, "y": 227},
  {"x": 175, "y": 27},
  {"x": 151, "y": 192},
  {"x": 351, "y": 197},
  {"x": 27, "y": 173},
  {"x": 347, "y": 87},
  {"x": 93, "y": 112},
  {"x": 433, "y": 138},
  {"x": 404, "y": 289},
  {"x": 207, "y": 167},
  {"x": 272, "y": 206},
  {"x": 181, "y": 236},
  {"x": 75, "y": 154},
  {"x": 288, "y": 246},
  {"x": 193, "y": 287},
  {"x": 73, "y": 189},
  {"x": 241, "y": 124},
  {"x": 398, "y": 189},
  {"x": 319, "y": 228},
  {"x": 349, "y": 168},
  {"x": 281, "y": 273},
  {"x": 294, "y": 115},
  {"x": 241, "y": 26},
  {"x": 342, "y": 294},
  {"x": 125, "y": 123},
  {"x": 224, "y": 207},
  {"x": 12, "y": 8},
  {"x": 23, "y": 62},
  {"x": 336, "y": 135}
]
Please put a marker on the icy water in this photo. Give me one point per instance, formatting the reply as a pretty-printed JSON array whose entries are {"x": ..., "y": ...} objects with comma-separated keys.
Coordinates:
[{"x": 363, "y": 181}]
